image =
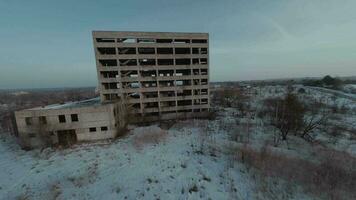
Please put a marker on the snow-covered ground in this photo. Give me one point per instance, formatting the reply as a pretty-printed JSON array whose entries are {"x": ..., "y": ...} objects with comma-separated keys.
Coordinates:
[
  {"x": 129, "y": 168},
  {"x": 187, "y": 161}
]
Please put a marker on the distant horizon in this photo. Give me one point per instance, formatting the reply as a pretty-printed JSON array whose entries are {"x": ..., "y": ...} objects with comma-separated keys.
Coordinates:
[
  {"x": 272, "y": 79},
  {"x": 49, "y": 44}
]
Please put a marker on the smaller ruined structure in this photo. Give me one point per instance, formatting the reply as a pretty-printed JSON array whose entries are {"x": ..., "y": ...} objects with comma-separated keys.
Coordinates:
[{"x": 68, "y": 123}]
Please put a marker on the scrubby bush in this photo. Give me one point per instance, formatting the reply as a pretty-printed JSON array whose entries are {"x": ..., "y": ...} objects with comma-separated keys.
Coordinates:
[
  {"x": 149, "y": 135},
  {"x": 332, "y": 175},
  {"x": 286, "y": 114},
  {"x": 290, "y": 115}
]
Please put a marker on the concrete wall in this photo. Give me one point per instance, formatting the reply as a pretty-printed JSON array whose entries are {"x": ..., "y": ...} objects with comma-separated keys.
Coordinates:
[{"x": 90, "y": 116}]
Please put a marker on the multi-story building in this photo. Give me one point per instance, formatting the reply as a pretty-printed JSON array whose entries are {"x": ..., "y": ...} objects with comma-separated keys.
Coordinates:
[{"x": 160, "y": 75}]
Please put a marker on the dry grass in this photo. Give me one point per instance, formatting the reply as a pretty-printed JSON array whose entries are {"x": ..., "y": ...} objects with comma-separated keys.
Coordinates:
[
  {"x": 149, "y": 135},
  {"x": 333, "y": 176}
]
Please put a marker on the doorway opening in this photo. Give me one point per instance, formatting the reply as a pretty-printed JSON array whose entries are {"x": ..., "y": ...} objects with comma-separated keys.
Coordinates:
[{"x": 67, "y": 137}]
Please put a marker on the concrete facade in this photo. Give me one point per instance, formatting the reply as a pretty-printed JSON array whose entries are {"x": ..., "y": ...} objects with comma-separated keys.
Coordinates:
[{"x": 160, "y": 75}]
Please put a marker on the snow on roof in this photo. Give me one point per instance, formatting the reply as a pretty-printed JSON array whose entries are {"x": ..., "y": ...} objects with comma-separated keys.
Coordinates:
[{"x": 74, "y": 104}]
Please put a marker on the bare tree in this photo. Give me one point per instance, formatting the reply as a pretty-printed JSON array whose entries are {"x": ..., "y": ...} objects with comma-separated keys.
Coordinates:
[
  {"x": 315, "y": 117},
  {"x": 285, "y": 114}
]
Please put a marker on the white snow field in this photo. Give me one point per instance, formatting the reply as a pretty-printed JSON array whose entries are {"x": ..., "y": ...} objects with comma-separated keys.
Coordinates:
[
  {"x": 129, "y": 168},
  {"x": 186, "y": 161}
]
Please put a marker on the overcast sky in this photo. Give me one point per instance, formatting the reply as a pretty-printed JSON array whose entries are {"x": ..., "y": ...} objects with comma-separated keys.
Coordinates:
[{"x": 48, "y": 43}]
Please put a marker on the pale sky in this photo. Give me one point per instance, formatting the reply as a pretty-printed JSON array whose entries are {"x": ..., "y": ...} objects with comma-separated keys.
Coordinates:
[{"x": 48, "y": 43}]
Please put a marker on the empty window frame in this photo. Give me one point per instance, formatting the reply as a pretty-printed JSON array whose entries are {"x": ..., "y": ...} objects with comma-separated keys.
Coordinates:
[
  {"x": 74, "y": 117},
  {"x": 164, "y": 50},
  {"x": 196, "y": 101},
  {"x": 204, "y": 81},
  {"x": 183, "y": 61},
  {"x": 146, "y": 50},
  {"x": 104, "y": 128},
  {"x": 28, "y": 121},
  {"x": 148, "y": 73},
  {"x": 146, "y": 40},
  {"x": 199, "y": 41},
  {"x": 164, "y": 40},
  {"x": 182, "y": 41},
  {"x": 147, "y": 62},
  {"x": 184, "y": 92},
  {"x": 128, "y": 62},
  {"x": 195, "y": 50},
  {"x": 134, "y": 95},
  {"x": 135, "y": 84},
  {"x": 92, "y": 129},
  {"x": 168, "y": 103},
  {"x": 108, "y": 62},
  {"x": 195, "y": 61},
  {"x": 165, "y": 62},
  {"x": 179, "y": 83},
  {"x": 196, "y": 82},
  {"x": 109, "y": 74},
  {"x": 150, "y": 94},
  {"x": 148, "y": 84},
  {"x": 183, "y": 72},
  {"x": 167, "y": 94},
  {"x": 204, "y": 50},
  {"x": 62, "y": 118},
  {"x": 106, "y": 51},
  {"x": 42, "y": 120},
  {"x": 105, "y": 40},
  {"x": 165, "y": 72},
  {"x": 204, "y": 101},
  {"x": 166, "y": 83},
  {"x": 196, "y": 71},
  {"x": 129, "y": 73},
  {"x": 204, "y": 71},
  {"x": 108, "y": 86},
  {"x": 126, "y": 40},
  {"x": 182, "y": 50},
  {"x": 183, "y": 82},
  {"x": 127, "y": 50},
  {"x": 184, "y": 102},
  {"x": 110, "y": 97},
  {"x": 203, "y": 61}
]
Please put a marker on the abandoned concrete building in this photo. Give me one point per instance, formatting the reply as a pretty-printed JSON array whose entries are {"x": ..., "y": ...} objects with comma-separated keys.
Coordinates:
[
  {"x": 160, "y": 75},
  {"x": 143, "y": 76}
]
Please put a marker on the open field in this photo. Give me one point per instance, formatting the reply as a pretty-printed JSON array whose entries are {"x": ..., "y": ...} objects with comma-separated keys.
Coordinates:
[{"x": 233, "y": 156}]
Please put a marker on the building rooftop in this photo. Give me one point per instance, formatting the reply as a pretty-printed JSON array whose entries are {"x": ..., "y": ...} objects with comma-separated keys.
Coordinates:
[
  {"x": 100, "y": 33},
  {"x": 74, "y": 104}
]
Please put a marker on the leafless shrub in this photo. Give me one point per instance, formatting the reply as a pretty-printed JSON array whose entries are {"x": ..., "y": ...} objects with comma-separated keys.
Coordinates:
[
  {"x": 285, "y": 114},
  {"x": 231, "y": 97},
  {"x": 290, "y": 115}
]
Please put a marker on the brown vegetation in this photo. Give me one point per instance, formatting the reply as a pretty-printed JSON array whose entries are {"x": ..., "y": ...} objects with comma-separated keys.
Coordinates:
[
  {"x": 150, "y": 136},
  {"x": 331, "y": 176},
  {"x": 290, "y": 115}
]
